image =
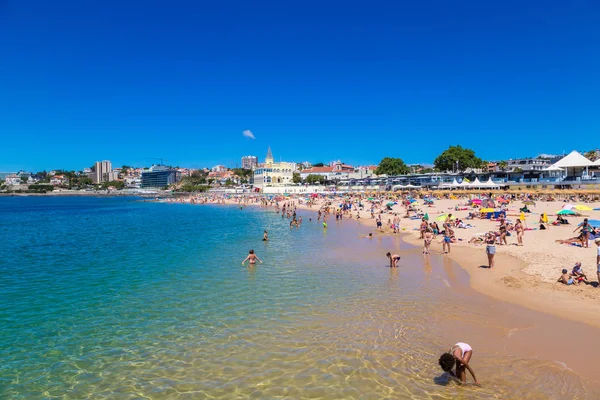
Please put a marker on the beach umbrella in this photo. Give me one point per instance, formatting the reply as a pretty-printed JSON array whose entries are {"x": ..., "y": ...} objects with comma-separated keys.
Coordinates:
[
  {"x": 476, "y": 201},
  {"x": 426, "y": 217},
  {"x": 593, "y": 222},
  {"x": 568, "y": 207},
  {"x": 413, "y": 201},
  {"x": 390, "y": 204},
  {"x": 443, "y": 217},
  {"x": 566, "y": 212},
  {"x": 581, "y": 207},
  {"x": 370, "y": 199},
  {"x": 487, "y": 210}
]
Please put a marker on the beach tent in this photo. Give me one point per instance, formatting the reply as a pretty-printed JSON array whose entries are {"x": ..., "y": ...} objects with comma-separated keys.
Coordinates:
[
  {"x": 476, "y": 183},
  {"x": 455, "y": 184},
  {"x": 489, "y": 184}
]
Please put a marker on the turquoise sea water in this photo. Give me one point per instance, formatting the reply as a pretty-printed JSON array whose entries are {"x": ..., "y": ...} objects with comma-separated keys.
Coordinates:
[{"x": 122, "y": 299}]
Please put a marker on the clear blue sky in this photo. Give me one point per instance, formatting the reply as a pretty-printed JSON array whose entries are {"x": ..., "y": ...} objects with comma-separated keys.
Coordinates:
[{"x": 127, "y": 81}]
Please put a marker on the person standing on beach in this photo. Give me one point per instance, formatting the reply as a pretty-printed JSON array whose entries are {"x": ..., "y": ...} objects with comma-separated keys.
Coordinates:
[
  {"x": 447, "y": 239},
  {"x": 252, "y": 258},
  {"x": 428, "y": 237},
  {"x": 585, "y": 232},
  {"x": 598, "y": 260},
  {"x": 519, "y": 229},
  {"x": 394, "y": 258},
  {"x": 490, "y": 248}
]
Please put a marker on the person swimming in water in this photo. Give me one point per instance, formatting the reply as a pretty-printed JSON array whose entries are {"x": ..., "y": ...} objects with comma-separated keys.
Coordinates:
[
  {"x": 252, "y": 258},
  {"x": 459, "y": 355},
  {"x": 394, "y": 258},
  {"x": 265, "y": 236}
]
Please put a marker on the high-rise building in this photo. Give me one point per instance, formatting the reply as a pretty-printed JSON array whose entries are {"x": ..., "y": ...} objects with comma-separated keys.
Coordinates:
[
  {"x": 249, "y": 162},
  {"x": 103, "y": 172}
]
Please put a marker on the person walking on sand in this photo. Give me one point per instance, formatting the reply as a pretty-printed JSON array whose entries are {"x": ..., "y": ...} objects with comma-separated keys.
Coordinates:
[
  {"x": 490, "y": 248},
  {"x": 394, "y": 258},
  {"x": 460, "y": 355},
  {"x": 519, "y": 229},
  {"x": 251, "y": 258},
  {"x": 427, "y": 240}
]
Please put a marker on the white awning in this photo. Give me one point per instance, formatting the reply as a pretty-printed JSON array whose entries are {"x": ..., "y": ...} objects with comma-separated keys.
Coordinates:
[{"x": 572, "y": 160}]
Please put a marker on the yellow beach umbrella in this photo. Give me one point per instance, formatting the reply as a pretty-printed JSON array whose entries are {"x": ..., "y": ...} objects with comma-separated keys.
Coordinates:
[
  {"x": 486, "y": 210},
  {"x": 443, "y": 217},
  {"x": 581, "y": 207}
]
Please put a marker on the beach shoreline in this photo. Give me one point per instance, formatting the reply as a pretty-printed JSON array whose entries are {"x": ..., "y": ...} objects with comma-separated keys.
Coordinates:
[{"x": 516, "y": 279}]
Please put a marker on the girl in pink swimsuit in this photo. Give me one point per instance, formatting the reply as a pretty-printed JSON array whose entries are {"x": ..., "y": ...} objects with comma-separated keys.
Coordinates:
[{"x": 459, "y": 355}]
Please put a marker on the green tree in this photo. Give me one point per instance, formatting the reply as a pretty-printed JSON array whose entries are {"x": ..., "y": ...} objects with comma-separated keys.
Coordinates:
[
  {"x": 228, "y": 182},
  {"x": 503, "y": 165},
  {"x": 23, "y": 179},
  {"x": 591, "y": 155},
  {"x": 392, "y": 166},
  {"x": 319, "y": 164},
  {"x": 457, "y": 157},
  {"x": 117, "y": 184},
  {"x": 296, "y": 178},
  {"x": 313, "y": 179}
]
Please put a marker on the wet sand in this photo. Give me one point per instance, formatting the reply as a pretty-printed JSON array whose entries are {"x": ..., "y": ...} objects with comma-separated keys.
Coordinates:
[{"x": 511, "y": 342}]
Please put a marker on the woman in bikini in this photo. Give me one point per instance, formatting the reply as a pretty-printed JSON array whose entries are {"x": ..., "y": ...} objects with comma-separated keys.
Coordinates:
[
  {"x": 251, "y": 258},
  {"x": 459, "y": 355},
  {"x": 427, "y": 240},
  {"x": 520, "y": 231},
  {"x": 490, "y": 248}
]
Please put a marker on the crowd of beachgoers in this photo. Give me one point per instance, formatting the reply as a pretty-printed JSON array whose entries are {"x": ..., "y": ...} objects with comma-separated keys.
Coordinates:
[
  {"x": 556, "y": 240},
  {"x": 550, "y": 235}
]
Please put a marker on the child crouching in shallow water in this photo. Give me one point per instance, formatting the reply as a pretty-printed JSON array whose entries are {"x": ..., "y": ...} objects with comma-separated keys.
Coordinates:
[{"x": 459, "y": 355}]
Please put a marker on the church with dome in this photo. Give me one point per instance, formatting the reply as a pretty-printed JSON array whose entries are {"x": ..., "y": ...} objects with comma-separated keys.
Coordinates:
[{"x": 271, "y": 173}]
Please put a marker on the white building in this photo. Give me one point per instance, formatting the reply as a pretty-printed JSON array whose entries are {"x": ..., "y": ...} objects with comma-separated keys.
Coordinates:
[
  {"x": 13, "y": 179},
  {"x": 218, "y": 168},
  {"x": 273, "y": 174},
  {"x": 249, "y": 162}
]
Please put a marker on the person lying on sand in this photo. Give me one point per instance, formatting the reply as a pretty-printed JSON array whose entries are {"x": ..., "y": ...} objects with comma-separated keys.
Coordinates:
[
  {"x": 566, "y": 278},
  {"x": 578, "y": 239}
]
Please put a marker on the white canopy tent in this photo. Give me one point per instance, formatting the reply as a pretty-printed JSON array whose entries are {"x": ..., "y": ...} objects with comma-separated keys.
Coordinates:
[
  {"x": 475, "y": 183},
  {"x": 572, "y": 160},
  {"x": 489, "y": 184}
]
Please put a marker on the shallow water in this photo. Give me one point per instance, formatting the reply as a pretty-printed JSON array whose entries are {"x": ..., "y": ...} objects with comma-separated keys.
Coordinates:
[{"x": 113, "y": 298}]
